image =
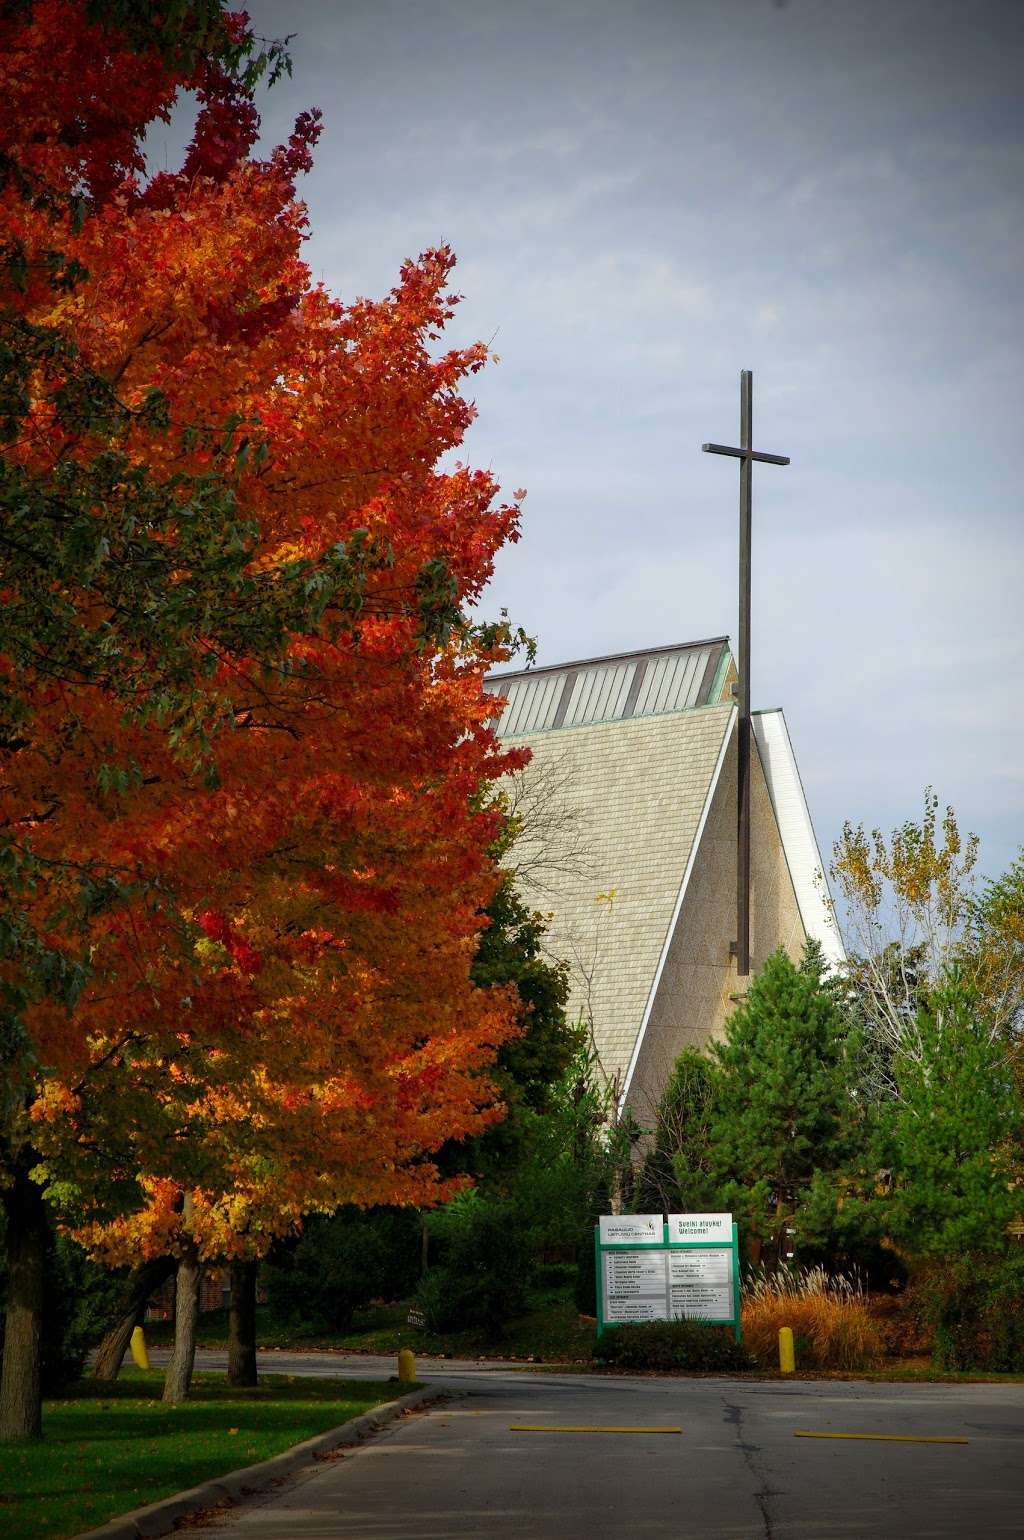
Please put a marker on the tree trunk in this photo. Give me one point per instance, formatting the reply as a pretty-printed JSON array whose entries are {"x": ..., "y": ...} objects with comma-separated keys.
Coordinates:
[
  {"x": 186, "y": 1315},
  {"x": 772, "y": 1251},
  {"x": 140, "y": 1284},
  {"x": 28, "y": 1229},
  {"x": 242, "y": 1324}
]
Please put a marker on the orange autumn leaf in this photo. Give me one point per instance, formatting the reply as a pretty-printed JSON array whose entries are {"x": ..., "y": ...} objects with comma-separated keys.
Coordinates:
[{"x": 269, "y": 864}]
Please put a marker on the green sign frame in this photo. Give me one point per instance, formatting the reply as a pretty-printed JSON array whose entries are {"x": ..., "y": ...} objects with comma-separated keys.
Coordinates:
[{"x": 601, "y": 1247}]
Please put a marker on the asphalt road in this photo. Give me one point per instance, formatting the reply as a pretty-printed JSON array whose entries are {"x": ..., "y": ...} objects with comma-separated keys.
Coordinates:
[{"x": 736, "y": 1472}]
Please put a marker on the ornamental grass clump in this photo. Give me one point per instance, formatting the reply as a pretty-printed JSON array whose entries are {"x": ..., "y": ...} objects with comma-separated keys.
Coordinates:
[{"x": 828, "y": 1314}]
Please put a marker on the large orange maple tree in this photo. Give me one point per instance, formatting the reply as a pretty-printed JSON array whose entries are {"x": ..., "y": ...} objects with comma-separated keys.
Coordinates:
[{"x": 243, "y": 809}]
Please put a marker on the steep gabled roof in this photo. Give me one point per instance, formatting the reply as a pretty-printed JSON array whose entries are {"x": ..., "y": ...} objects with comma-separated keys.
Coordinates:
[
  {"x": 641, "y": 749},
  {"x": 638, "y": 790}
]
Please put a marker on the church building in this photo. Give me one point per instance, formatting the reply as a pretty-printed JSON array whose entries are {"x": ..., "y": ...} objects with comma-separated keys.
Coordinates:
[{"x": 629, "y": 845}]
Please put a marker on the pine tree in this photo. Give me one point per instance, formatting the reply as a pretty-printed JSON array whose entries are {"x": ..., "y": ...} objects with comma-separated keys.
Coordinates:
[
  {"x": 677, "y": 1174},
  {"x": 784, "y": 1125},
  {"x": 950, "y": 1134}
]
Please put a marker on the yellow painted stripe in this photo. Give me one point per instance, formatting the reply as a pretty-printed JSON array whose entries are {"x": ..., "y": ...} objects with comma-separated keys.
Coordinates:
[
  {"x": 887, "y": 1438},
  {"x": 537, "y": 1427}
]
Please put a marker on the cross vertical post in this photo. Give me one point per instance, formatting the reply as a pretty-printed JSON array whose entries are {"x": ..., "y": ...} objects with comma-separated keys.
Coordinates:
[
  {"x": 746, "y": 454},
  {"x": 743, "y": 664}
]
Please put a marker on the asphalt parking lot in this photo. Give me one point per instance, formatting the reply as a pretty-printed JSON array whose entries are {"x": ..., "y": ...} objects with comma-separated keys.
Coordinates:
[{"x": 553, "y": 1457}]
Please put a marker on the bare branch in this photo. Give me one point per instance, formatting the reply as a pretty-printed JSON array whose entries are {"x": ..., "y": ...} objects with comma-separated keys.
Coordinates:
[{"x": 552, "y": 838}]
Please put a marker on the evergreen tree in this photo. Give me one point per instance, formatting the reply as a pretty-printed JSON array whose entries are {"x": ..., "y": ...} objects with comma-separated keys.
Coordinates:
[
  {"x": 677, "y": 1175},
  {"x": 950, "y": 1134},
  {"x": 771, "y": 1123},
  {"x": 784, "y": 1127},
  {"x": 510, "y": 951},
  {"x": 530, "y": 1067}
]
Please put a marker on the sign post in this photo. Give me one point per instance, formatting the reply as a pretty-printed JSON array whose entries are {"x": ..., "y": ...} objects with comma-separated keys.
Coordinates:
[{"x": 651, "y": 1270}]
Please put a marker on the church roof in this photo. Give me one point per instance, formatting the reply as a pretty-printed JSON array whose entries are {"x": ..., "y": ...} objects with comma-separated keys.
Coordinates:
[
  {"x": 628, "y": 845},
  {"x": 612, "y": 688},
  {"x": 637, "y": 793}
]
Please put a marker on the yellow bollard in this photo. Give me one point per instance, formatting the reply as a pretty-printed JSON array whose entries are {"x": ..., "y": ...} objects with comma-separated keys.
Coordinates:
[
  {"x": 406, "y": 1367},
  {"x": 140, "y": 1357},
  {"x": 787, "y": 1355}
]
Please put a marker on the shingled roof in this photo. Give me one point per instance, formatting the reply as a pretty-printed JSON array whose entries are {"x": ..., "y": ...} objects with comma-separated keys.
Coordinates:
[{"x": 643, "y": 748}]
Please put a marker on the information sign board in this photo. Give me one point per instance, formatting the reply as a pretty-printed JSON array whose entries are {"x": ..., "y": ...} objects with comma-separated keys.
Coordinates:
[
  {"x": 688, "y": 1269},
  {"x": 631, "y": 1230}
]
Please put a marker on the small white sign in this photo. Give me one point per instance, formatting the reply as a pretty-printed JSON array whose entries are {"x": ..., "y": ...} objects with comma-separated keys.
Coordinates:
[
  {"x": 634, "y": 1285},
  {"x": 700, "y": 1266},
  {"x": 632, "y": 1230},
  {"x": 620, "y": 1312},
  {"x": 700, "y": 1227},
  {"x": 635, "y": 1273},
  {"x": 710, "y": 1303},
  {"x": 700, "y": 1284}
]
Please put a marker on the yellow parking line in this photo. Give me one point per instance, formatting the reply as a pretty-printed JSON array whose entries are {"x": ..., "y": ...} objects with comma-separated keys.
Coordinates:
[
  {"x": 888, "y": 1438},
  {"x": 536, "y": 1427}
]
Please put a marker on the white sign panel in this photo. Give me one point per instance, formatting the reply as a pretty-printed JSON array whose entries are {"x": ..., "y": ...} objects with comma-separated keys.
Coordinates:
[
  {"x": 704, "y": 1304},
  {"x": 632, "y": 1230},
  {"x": 700, "y": 1227},
  {"x": 700, "y": 1284},
  {"x": 634, "y": 1285},
  {"x": 701, "y": 1266}
]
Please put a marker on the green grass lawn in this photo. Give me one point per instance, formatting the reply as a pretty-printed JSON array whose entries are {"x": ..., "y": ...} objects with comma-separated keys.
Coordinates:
[{"x": 108, "y": 1448}]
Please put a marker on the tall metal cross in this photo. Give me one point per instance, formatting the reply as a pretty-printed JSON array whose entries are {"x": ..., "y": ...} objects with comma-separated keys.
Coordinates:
[{"x": 746, "y": 454}]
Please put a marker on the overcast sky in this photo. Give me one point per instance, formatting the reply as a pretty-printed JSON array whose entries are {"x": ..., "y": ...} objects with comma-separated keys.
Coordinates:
[{"x": 647, "y": 197}]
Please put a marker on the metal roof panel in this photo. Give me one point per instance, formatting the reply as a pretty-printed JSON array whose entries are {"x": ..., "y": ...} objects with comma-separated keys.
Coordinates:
[{"x": 630, "y": 684}]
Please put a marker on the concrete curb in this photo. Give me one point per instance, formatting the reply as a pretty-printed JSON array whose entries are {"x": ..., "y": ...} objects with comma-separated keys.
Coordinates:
[{"x": 160, "y": 1518}]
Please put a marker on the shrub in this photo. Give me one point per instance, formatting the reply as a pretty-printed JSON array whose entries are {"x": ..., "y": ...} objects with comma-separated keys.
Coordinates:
[
  {"x": 829, "y": 1316},
  {"x": 975, "y": 1307},
  {"x": 483, "y": 1268},
  {"x": 687, "y": 1345},
  {"x": 905, "y": 1322},
  {"x": 558, "y": 1277},
  {"x": 342, "y": 1262},
  {"x": 81, "y": 1301}
]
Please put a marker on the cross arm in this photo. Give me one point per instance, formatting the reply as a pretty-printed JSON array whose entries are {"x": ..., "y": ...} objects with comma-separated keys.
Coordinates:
[{"x": 740, "y": 454}]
